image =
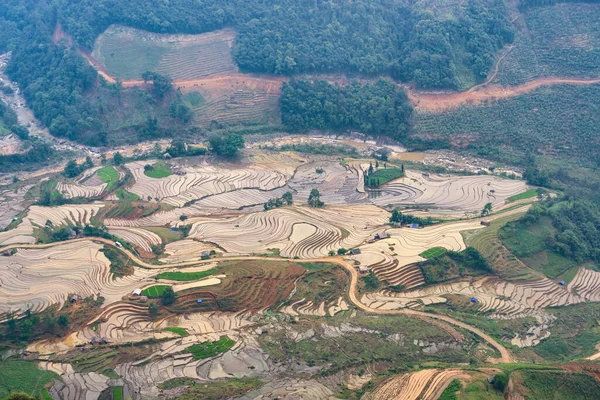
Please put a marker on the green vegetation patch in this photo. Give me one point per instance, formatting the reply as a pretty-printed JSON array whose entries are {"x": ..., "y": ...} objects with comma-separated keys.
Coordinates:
[
  {"x": 574, "y": 334},
  {"x": 529, "y": 241},
  {"x": 451, "y": 265},
  {"x": 159, "y": 169},
  {"x": 120, "y": 264},
  {"x": 559, "y": 40},
  {"x": 560, "y": 117},
  {"x": 545, "y": 385},
  {"x": 185, "y": 276},
  {"x": 117, "y": 393},
  {"x": 23, "y": 376},
  {"x": 108, "y": 175},
  {"x": 231, "y": 388},
  {"x": 383, "y": 176},
  {"x": 450, "y": 392},
  {"x": 177, "y": 330},
  {"x": 155, "y": 291},
  {"x": 433, "y": 252},
  {"x": 211, "y": 349},
  {"x": 194, "y": 99},
  {"x": 525, "y": 195},
  {"x": 125, "y": 195}
]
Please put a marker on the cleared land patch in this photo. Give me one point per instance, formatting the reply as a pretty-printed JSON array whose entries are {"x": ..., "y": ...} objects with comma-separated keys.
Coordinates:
[{"x": 126, "y": 53}]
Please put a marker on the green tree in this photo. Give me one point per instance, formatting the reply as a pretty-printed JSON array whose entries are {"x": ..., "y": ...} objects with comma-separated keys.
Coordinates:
[
  {"x": 118, "y": 158},
  {"x": 487, "y": 209},
  {"x": 396, "y": 216},
  {"x": 63, "y": 320},
  {"x": 168, "y": 297},
  {"x": 152, "y": 310},
  {"x": 227, "y": 146},
  {"x": 314, "y": 199},
  {"x": 287, "y": 197},
  {"x": 71, "y": 169}
]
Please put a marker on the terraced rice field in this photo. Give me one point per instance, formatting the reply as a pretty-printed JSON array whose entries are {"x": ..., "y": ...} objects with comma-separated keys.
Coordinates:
[
  {"x": 138, "y": 237},
  {"x": 201, "y": 181},
  {"x": 37, "y": 278},
  {"x": 394, "y": 259},
  {"x": 126, "y": 53},
  {"x": 75, "y": 385},
  {"x": 451, "y": 193},
  {"x": 427, "y": 384},
  {"x": 12, "y": 203},
  {"x": 247, "y": 285},
  {"x": 237, "y": 102},
  {"x": 71, "y": 190},
  {"x": 502, "y": 298},
  {"x": 334, "y": 227}
]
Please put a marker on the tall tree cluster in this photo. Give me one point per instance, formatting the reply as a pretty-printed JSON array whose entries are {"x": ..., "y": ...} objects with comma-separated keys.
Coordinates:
[{"x": 380, "y": 108}]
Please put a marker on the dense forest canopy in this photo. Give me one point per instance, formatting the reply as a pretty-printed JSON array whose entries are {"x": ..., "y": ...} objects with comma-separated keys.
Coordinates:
[
  {"x": 379, "y": 108},
  {"x": 288, "y": 37}
]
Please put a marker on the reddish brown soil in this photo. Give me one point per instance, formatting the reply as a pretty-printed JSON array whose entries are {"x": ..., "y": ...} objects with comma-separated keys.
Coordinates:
[{"x": 249, "y": 285}]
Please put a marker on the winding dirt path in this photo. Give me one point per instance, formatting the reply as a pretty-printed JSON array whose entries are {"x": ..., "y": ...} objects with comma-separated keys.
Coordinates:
[
  {"x": 437, "y": 319},
  {"x": 437, "y": 102}
]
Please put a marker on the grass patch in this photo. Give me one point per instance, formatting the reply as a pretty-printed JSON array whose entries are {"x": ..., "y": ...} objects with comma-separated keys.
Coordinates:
[
  {"x": 154, "y": 291},
  {"x": 211, "y": 349},
  {"x": 529, "y": 243},
  {"x": 433, "y": 252},
  {"x": 231, "y": 388},
  {"x": 160, "y": 169},
  {"x": 46, "y": 395},
  {"x": 166, "y": 234},
  {"x": 117, "y": 393},
  {"x": 450, "y": 392},
  {"x": 525, "y": 195},
  {"x": 382, "y": 176},
  {"x": 177, "y": 330},
  {"x": 108, "y": 175},
  {"x": 185, "y": 276},
  {"x": 23, "y": 376},
  {"x": 125, "y": 195}
]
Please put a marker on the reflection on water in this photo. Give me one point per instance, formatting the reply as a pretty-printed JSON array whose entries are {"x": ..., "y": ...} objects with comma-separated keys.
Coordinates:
[{"x": 373, "y": 194}]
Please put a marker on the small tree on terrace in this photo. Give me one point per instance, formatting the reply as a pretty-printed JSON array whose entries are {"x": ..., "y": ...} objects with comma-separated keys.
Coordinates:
[
  {"x": 287, "y": 197},
  {"x": 396, "y": 217},
  {"x": 168, "y": 297},
  {"x": 487, "y": 209},
  {"x": 314, "y": 199}
]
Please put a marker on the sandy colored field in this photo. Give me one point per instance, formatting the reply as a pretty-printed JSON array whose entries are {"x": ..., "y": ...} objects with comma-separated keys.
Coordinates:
[
  {"x": 427, "y": 384},
  {"x": 136, "y": 236},
  {"x": 201, "y": 181},
  {"x": 38, "y": 278},
  {"x": 334, "y": 227},
  {"x": 449, "y": 192}
]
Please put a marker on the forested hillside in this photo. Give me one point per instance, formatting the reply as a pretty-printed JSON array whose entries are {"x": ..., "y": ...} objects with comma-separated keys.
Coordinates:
[
  {"x": 380, "y": 108},
  {"x": 406, "y": 40}
]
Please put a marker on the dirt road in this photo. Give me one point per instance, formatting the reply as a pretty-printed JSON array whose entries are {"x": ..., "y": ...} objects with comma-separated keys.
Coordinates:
[{"x": 437, "y": 319}]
